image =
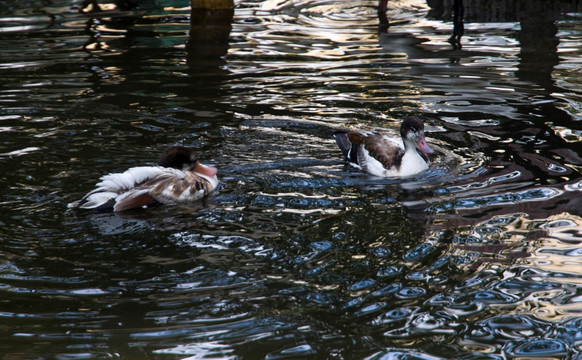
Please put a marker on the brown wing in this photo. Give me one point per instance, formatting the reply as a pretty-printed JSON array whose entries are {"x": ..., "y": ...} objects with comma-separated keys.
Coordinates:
[
  {"x": 133, "y": 199},
  {"x": 385, "y": 151},
  {"x": 174, "y": 190}
]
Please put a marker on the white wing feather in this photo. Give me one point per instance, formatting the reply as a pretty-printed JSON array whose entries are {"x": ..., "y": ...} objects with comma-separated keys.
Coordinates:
[{"x": 131, "y": 177}]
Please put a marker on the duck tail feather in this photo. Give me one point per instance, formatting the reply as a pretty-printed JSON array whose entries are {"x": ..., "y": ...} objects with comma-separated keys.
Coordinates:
[
  {"x": 341, "y": 138},
  {"x": 98, "y": 201},
  {"x": 348, "y": 143}
]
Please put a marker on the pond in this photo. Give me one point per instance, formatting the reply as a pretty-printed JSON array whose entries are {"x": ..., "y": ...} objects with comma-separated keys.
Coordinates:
[{"x": 296, "y": 255}]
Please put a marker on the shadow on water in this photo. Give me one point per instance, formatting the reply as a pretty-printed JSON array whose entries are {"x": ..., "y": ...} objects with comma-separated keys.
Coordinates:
[{"x": 295, "y": 255}]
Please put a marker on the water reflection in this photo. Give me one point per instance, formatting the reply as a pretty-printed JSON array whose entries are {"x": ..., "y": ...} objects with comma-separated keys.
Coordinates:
[
  {"x": 208, "y": 42},
  {"x": 443, "y": 7},
  {"x": 294, "y": 256}
]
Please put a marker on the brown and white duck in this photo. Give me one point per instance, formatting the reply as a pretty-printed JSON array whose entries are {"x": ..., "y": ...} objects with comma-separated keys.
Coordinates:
[
  {"x": 382, "y": 155},
  {"x": 179, "y": 178}
]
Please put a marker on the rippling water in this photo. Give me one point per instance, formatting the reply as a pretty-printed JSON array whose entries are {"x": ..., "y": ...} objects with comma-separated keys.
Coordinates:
[{"x": 295, "y": 256}]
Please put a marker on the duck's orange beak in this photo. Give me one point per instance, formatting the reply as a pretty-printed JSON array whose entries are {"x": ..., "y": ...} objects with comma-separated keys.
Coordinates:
[{"x": 209, "y": 171}]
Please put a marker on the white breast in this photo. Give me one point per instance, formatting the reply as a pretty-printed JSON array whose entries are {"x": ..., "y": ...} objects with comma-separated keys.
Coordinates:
[{"x": 412, "y": 163}]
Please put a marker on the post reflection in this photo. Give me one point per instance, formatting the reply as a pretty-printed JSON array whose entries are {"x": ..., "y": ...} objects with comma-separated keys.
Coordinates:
[
  {"x": 456, "y": 8},
  {"x": 458, "y": 24},
  {"x": 210, "y": 26}
]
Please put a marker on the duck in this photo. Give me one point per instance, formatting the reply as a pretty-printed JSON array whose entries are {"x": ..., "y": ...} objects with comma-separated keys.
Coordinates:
[
  {"x": 179, "y": 178},
  {"x": 385, "y": 156}
]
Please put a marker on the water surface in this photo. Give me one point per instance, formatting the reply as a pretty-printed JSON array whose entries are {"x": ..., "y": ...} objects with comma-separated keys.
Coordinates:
[{"x": 295, "y": 255}]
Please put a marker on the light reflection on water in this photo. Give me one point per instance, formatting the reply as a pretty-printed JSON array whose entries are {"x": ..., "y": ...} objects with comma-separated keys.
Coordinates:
[{"x": 296, "y": 255}]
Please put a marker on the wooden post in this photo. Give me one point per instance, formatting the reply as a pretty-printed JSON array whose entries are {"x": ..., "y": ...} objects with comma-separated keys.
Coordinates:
[{"x": 212, "y": 4}]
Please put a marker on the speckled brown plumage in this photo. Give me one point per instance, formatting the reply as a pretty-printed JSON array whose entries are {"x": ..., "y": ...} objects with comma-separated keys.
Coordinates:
[
  {"x": 382, "y": 155},
  {"x": 179, "y": 179},
  {"x": 383, "y": 150}
]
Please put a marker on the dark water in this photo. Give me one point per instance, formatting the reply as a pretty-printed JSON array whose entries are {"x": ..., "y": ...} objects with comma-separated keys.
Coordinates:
[{"x": 295, "y": 257}]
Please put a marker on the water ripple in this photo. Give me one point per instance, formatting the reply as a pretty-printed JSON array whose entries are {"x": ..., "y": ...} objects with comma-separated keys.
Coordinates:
[{"x": 295, "y": 255}]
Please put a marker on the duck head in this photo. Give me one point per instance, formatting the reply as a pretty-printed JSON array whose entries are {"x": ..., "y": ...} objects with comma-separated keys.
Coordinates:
[
  {"x": 412, "y": 132},
  {"x": 181, "y": 158}
]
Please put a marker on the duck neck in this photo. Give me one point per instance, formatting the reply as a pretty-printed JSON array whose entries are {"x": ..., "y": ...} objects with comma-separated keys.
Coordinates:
[{"x": 410, "y": 151}]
